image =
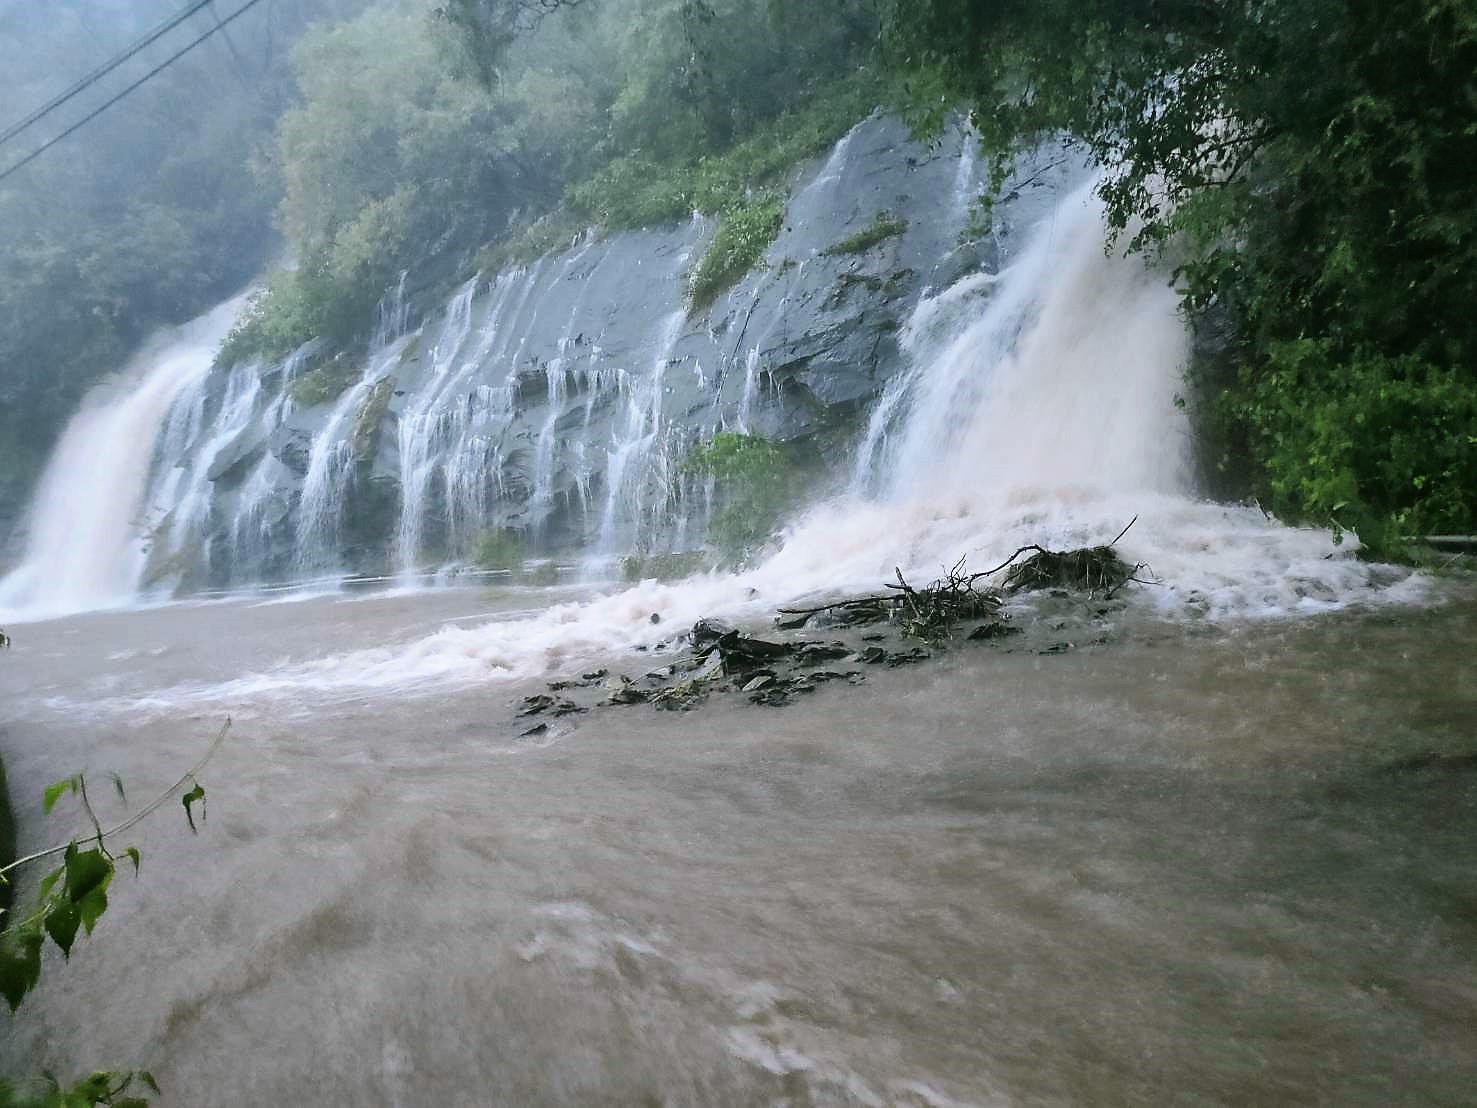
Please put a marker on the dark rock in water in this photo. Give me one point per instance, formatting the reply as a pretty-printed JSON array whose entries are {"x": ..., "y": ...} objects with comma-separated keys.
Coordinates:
[
  {"x": 739, "y": 652},
  {"x": 656, "y": 617},
  {"x": 814, "y": 653},
  {"x": 567, "y": 707},
  {"x": 623, "y": 691},
  {"x": 872, "y": 655},
  {"x": 903, "y": 658},
  {"x": 823, "y": 675},
  {"x": 595, "y": 675},
  {"x": 991, "y": 631},
  {"x": 533, "y": 705},
  {"x": 706, "y": 631},
  {"x": 857, "y": 615},
  {"x": 1055, "y": 648},
  {"x": 792, "y": 623},
  {"x": 773, "y": 696},
  {"x": 536, "y": 729},
  {"x": 759, "y": 682}
]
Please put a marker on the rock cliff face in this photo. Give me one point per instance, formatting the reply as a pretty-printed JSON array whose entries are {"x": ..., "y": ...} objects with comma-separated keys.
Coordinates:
[{"x": 559, "y": 399}]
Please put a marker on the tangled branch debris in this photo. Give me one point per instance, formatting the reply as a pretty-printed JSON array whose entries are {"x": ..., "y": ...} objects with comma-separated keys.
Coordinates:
[
  {"x": 1095, "y": 570},
  {"x": 716, "y": 657},
  {"x": 928, "y": 613}
]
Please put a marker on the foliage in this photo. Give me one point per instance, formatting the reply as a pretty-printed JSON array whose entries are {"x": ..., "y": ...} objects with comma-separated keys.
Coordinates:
[
  {"x": 326, "y": 383},
  {"x": 103, "y": 1087},
  {"x": 746, "y": 230},
  {"x": 500, "y": 548},
  {"x": 539, "y": 122},
  {"x": 671, "y": 566},
  {"x": 1302, "y": 164},
  {"x": 884, "y": 227},
  {"x": 1384, "y": 446},
  {"x": 757, "y": 485},
  {"x": 636, "y": 191},
  {"x": 70, "y": 899},
  {"x": 141, "y": 219}
]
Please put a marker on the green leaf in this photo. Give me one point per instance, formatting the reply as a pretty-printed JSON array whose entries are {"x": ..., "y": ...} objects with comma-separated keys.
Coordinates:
[
  {"x": 49, "y": 882},
  {"x": 92, "y": 906},
  {"x": 133, "y": 856},
  {"x": 87, "y": 870},
  {"x": 197, "y": 793},
  {"x": 62, "y": 922},
  {"x": 148, "y": 1079},
  {"x": 20, "y": 964},
  {"x": 118, "y": 786},
  {"x": 55, "y": 792}
]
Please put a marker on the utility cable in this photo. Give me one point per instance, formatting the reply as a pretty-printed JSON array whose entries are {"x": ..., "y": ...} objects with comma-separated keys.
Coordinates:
[
  {"x": 105, "y": 105},
  {"x": 102, "y": 71}
]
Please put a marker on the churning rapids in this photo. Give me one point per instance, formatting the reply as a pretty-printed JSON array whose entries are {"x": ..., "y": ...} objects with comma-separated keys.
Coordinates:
[{"x": 1180, "y": 869}]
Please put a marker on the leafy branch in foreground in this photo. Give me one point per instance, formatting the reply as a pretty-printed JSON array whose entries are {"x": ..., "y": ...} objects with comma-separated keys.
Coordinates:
[{"x": 72, "y": 898}]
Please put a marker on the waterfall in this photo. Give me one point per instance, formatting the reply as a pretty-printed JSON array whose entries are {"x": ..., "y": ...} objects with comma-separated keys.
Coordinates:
[
  {"x": 87, "y": 543},
  {"x": 640, "y": 433},
  {"x": 420, "y": 424},
  {"x": 320, "y": 512}
]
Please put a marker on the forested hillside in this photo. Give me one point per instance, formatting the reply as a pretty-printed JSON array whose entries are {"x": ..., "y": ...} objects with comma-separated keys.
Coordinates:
[
  {"x": 1302, "y": 166},
  {"x": 145, "y": 216},
  {"x": 1306, "y": 167},
  {"x": 415, "y": 139}
]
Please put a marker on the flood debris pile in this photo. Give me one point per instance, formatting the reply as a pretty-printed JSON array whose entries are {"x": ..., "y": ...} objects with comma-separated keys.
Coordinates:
[
  {"x": 1094, "y": 570},
  {"x": 904, "y": 625}
]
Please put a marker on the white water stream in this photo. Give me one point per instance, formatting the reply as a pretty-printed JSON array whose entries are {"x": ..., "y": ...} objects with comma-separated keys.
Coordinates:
[
  {"x": 88, "y": 544},
  {"x": 1040, "y": 409}
]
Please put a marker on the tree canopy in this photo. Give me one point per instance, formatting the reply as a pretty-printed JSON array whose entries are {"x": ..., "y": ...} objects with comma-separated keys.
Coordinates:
[{"x": 1305, "y": 167}]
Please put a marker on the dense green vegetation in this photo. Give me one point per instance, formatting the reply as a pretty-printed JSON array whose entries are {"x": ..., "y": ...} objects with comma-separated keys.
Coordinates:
[
  {"x": 748, "y": 227},
  {"x": 422, "y": 130},
  {"x": 144, "y": 217},
  {"x": 500, "y": 548},
  {"x": 756, "y": 482},
  {"x": 1305, "y": 166},
  {"x": 885, "y": 226}
]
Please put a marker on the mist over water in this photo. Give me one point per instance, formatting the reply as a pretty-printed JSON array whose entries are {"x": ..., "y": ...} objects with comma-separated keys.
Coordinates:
[
  {"x": 1039, "y": 408},
  {"x": 88, "y": 534}
]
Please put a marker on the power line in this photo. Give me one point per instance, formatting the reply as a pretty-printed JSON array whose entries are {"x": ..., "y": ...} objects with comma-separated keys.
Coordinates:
[
  {"x": 90, "y": 116},
  {"x": 102, "y": 71}
]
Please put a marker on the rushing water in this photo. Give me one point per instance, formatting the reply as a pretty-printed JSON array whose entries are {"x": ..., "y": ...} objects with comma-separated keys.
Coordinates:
[
  {"x": 1183, "y": 868},
  {"x": 88, "y": 544},
  {"x": 1175, "y": 870}
]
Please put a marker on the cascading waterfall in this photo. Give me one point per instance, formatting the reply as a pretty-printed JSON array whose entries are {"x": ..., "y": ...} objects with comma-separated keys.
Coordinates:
[
  {"x": 420, "y": 427},
  {"x": 639, "y": 436},
  {"x": 88, "y": 545},
  {"x": 1034, "y": 404},
  {"x": 320, "y": 511},
  {"x": 1043, "y": 411}
]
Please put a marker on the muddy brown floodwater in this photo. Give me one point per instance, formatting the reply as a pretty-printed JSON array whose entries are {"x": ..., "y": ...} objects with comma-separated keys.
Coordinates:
[{"x": 1186, "y": 868}]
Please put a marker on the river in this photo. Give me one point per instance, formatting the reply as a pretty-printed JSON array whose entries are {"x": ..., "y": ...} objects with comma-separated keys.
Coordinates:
[{"x": 1176, "y": 869}]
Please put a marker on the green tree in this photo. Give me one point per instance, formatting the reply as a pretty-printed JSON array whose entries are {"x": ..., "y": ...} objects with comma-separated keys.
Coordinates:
[{"x": 1302, "y": 165}]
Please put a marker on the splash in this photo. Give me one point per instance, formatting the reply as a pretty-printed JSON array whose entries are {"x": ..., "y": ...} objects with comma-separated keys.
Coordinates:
[{"x": 1039, "y": 408}]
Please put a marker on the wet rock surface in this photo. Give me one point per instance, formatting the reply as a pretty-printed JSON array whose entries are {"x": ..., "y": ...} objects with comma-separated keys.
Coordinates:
[{"x": 559, "y": 400}]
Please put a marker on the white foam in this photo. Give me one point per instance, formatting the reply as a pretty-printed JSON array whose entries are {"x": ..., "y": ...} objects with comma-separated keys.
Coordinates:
[{"x": 1040, "y": 409}]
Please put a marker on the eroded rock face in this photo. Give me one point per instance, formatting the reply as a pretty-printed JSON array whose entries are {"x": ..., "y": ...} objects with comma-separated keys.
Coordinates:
[{"x": 560, "y": 399}]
